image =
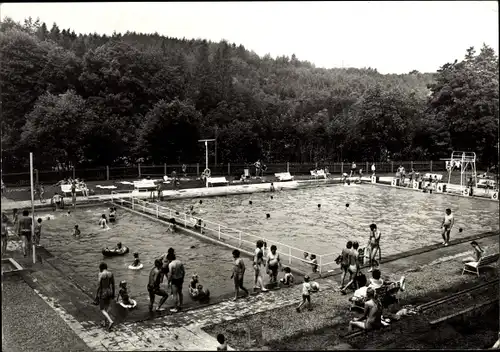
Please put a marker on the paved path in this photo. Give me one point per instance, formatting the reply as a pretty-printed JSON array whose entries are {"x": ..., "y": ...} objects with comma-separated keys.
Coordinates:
[{"x": 182, "y": 331}]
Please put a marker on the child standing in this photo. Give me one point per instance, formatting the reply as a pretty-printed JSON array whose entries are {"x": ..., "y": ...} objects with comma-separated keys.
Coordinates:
[
  {"x": 38, "y": 232},
  {"x": 306, "y": 294},
  {"x": 447, "y": 224}
]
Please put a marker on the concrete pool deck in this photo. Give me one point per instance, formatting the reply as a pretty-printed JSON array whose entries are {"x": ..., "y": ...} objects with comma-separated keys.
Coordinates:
[{"x": 183, "y": 331}]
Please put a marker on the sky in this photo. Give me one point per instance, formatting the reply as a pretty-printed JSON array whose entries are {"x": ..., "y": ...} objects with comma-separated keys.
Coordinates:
[{"x": 393, "y": 37}]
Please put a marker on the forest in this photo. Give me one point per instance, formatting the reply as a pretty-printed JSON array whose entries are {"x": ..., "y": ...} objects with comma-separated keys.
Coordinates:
[{"x": 94, "y": 100}]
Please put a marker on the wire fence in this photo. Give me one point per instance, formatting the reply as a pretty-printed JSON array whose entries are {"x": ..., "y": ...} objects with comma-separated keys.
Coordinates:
[
  {"x": 234, "y": 238},
  {"x": 108, "y": 173}
]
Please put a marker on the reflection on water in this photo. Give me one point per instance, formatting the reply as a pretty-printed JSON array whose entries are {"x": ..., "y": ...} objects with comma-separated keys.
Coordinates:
[
  {"x": 407, "y": 219},
  {"x": 213, "y": 264}
]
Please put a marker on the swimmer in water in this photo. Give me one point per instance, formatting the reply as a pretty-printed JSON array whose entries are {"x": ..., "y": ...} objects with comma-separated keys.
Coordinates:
[
  {"x": 136, "y": 262},
  {"x": 76, "y": 231},
  {"x": 271, "y": 188},
  {"x": 123, "y": 295},
  {"x": 103, "y": 222},
  {"x": 112, "y": 214}
]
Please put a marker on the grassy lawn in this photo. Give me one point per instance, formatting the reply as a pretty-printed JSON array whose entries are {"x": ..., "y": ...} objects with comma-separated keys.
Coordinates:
[{"x": 285, "y": 329}]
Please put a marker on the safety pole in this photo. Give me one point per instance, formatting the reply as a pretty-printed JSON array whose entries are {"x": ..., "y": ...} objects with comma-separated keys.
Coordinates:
[{"x": 32, "y": 208}]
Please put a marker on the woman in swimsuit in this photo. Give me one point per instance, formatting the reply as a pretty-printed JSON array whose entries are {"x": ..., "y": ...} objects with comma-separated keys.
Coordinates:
[
  {"x": 273, "y": 264},
  {"x": 105, "y": 292},
  {"x": 374, "y": 245},
  {"x": 371, "y": 320}
]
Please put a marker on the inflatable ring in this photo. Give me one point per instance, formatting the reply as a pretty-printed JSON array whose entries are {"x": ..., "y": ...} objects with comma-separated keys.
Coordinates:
[
  {"x": 207, "y": 173},
  {"x": 465, "y": 192},
  {"x": 139, "y": 267},
  {"x": 129, "y": 306},
  {"x": 494, "y": 196}
]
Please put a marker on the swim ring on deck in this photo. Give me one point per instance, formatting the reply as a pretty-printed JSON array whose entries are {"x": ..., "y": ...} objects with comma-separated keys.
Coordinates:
[
  {"x": 138, "y": 267},
  {"x": 129, "y": 306},
  {"x": 113, "y": 252}
]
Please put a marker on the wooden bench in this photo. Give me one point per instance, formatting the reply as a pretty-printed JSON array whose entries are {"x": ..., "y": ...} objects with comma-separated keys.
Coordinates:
[
  {"x": 283, "y": 176},
  {"x": 487, "y": 260},
  {"x": 433, "y": 176},
  {"x": 144, "y": 185},
  {"x": 67, "y": 189},
  {"x": 211, "y": 181},
  {"x": 318, "y": 173}
]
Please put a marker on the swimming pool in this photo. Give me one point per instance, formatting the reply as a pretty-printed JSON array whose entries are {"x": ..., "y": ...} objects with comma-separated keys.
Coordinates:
[
  {"x": 407, "y": 219},
  {"x": 212, "y": 263}
]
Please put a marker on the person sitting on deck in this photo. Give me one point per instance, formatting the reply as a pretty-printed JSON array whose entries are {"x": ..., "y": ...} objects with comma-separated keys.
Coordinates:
[
  {"x": 372, "y": 316},
  {"x": 377, "y": 282},
  {"x": 478, "y": 253},
  {"x": 288, "y": 279}
]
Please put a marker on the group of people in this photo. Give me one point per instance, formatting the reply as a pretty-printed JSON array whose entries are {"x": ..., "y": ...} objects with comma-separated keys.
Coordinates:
[{"x": 22, "y": 228}]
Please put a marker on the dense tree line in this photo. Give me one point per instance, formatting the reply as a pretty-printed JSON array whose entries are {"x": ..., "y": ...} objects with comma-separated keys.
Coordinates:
[{"x": 105, "y": 100}]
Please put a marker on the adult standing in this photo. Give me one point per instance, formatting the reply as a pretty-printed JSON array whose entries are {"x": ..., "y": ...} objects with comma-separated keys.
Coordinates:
[
  {"x": 105, "y": 293},
  {"x": 273, "y": 264},
  {"x": 353, "y": 266},
  {"x": 154, "y": 289},
  {"x": 353, "y": 169},
  {"x": 258, "y": 260},
  {"x": 176, "y": 274},
  {"x": 447, "y": 225},
  {"x": 344, "y": 261},
  {"x": 25, "y": 224},
  {"x": 373, "y": 169},
  {"x": 374, "y": 244},
  {"x": 238, "y": 274}
]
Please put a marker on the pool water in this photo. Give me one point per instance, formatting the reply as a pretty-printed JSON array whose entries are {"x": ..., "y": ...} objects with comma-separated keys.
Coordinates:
[
  {"x": 406, "y": 219},
  {"x": 212, "y": 263}
]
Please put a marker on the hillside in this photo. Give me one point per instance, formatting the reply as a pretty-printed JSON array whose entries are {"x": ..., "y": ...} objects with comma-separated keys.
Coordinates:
[{"x": 98, "y": 100}]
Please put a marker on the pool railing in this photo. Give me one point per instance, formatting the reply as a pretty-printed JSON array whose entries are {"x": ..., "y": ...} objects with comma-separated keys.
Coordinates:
[{"x": 290, "y": 256}]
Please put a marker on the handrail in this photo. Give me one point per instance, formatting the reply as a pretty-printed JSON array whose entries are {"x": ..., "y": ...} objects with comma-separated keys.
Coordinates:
[{"x": 216, "y": 228}]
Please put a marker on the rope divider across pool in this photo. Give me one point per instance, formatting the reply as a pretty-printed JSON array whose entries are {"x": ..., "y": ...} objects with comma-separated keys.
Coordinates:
[{"x": 291, "y": 255}]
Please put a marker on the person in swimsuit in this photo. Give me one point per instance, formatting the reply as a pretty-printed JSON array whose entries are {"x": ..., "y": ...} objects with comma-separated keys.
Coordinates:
[
  {"x": 105, "y": 292},
  {"x": 176, "y": 274},
  {"x": 447, "y": 225},
  {"x": 103, "y": 222},
  {"x": 38, "y": 231},
  {"x": 374, "y": 244},
  {"x": 344, "y": 264},
  {"x": 57, "y": 201},
  {"x": 112, "y": 214},
  {"x": 478, "y": 253},
  {"x": 273, "y": 264},
  {"x": 238, "y": 274},
  {"x": 288, "y": 279},
  {"x": 372, "y": 316},
  {"x": 353, "y": 266},
  {"x": 257, "y": 266},
  {"x": 136, "y": 261},
  {"x": 306, "y": 294},
  {"x": 4, "y": 235},
  {"x": 25, "y": 224},
  {"x": 155, "y": 279},
  {"x": 76, "y": 231}
]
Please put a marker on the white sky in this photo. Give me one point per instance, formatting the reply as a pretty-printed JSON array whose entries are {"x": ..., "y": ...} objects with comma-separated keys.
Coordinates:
[{"x": 394, "y": 37}]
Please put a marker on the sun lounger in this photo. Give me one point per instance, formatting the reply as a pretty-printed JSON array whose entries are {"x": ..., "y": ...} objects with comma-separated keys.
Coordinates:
[
  {"x": 211, "y": 181},
  {"x": 487, "y": 260},
  {"x": 283, "y": 176}
]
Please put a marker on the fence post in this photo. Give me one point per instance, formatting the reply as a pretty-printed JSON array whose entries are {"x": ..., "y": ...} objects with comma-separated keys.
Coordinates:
[
  {"x": 74, "y": 172},
  {"x": 219, "y": 232},
  {"x": 366, "y": 170},
  {"x": 157, "y": 211},
  {"x": 316, "y": 165},
  {"x": 165, "y": 169},
  {"x": 287, "y": 166},
  {"x": 36, "y": 175},
  {"x": 228, "y": 169},
  {"x": 320, "y": 264},
  {"x": 411, "y": 165},
  {"x": 289, "y": 255},
  {"x": 107, "y": 173},
  {"x": 341, "y": 167},
  {"x": 139, "y": 168},
  {"x": 197, "y": 169},
  {"x": 392, "y": 167},
  {"x": 431, "y": 166},
  {"x": 240, "y": 239}
]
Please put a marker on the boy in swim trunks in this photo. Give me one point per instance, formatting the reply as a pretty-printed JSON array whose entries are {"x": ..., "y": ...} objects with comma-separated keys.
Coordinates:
[
  {"x": 176, "y": 274},
  {"x": 374, "y": 244},
  {"x": 238, "y": 273},
  {"x": 344, "y": 264},
  {"x": 25, "y": 224},
  {"x": 447, "y": 225},
  {"x": 38, "y": 231},
  {"x": 306, "y": 294},
  {"x": 76, "y": 231},
  {"x": 353, "y": 266},
  {"x": 155, "y": 279}
]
